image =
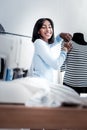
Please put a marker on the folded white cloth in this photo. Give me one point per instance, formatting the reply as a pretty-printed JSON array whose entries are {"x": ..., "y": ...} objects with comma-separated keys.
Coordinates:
[
  {"x": 58, "y": 95},
  {"x": 38, "y": 92},
  {"x": 23, "y": 89},
  {"x": 13, "y": 93}
]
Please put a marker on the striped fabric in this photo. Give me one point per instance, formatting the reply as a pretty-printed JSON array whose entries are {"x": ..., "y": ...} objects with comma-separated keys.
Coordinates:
[{"x": 75, "y": 66}]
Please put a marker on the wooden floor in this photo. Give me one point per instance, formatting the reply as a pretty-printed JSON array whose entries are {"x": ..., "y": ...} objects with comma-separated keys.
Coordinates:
[{"x": 63, "y": 118}]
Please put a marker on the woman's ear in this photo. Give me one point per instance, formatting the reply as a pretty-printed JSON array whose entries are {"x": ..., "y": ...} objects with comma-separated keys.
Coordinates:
[{"x": 38, "y": 32}]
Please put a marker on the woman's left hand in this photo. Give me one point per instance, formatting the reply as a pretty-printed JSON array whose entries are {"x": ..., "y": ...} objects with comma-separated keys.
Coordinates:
[{"x": 66, "y": 36}]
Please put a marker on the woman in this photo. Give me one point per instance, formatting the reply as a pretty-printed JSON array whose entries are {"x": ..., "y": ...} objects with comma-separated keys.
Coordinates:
[{"x": 43, "y": 38}]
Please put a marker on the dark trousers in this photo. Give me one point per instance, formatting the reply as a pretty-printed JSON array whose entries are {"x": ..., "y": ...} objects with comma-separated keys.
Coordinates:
[{"x": 78, "y": 89}]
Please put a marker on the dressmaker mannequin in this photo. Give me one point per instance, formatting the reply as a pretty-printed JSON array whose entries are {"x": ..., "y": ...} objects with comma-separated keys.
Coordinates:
[
  {"x": 79, "y": 38},
  {"x": 75, "y": 66}
]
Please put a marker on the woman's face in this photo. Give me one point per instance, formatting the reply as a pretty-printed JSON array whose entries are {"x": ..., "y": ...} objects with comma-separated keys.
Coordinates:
[{"x": 46, "y": 31}]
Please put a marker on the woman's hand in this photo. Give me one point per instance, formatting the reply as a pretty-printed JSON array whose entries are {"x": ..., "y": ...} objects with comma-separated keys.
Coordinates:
[
  {"x": 67, "y": 46},
  {"x": 66, "y": 36}
]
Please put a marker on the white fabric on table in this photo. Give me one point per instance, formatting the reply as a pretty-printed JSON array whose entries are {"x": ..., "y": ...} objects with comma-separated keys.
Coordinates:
[{"x": 38, "y": 92}]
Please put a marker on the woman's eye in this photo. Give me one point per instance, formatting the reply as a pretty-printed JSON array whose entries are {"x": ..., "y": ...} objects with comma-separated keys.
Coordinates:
[
  {"x": 46, "y": 27},
  {"x": 50, "y": 27},
  {"x": 43, "y": 27}
]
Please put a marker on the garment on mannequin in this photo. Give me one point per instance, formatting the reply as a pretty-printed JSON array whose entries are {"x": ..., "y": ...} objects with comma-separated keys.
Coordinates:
[
  {"x": 75, "y": 65},
  {"x": 79, "y": 38}
]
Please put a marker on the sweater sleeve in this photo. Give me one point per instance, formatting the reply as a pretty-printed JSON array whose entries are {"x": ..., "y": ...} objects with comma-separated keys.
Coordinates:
[
  {"x": 63, "y": 67},
  {"x": 43, "y": 51},
  {"x": 57, "y": 41}
]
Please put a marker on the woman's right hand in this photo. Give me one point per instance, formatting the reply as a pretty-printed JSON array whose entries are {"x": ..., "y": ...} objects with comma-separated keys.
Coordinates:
[{"x": 67, "y": 46}]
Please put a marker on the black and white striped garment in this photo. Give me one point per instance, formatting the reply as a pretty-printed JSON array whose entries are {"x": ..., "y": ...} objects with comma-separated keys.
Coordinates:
[{"x": 76, "y": 66}]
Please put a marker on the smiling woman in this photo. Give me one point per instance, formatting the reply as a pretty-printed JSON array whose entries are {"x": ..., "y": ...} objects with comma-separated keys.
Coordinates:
[
  {"x": 43, "y": 38},
  {"x": 18, "y": 17}
]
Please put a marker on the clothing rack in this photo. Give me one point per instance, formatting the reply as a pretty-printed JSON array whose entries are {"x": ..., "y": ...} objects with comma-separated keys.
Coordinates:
[{"x": 15, "y": 34}]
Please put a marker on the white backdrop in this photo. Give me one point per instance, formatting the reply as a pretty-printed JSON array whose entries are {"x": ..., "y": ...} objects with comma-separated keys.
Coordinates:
[{"x": 19, "y": 16}]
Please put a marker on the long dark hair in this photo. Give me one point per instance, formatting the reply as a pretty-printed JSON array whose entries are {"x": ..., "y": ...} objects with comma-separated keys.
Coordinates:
[{"x": 38, "y": 26}]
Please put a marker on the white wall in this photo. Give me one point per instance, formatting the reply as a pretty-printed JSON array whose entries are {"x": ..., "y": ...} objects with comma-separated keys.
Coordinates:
[{"x": 19, "y": 16}]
